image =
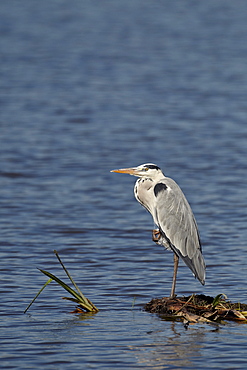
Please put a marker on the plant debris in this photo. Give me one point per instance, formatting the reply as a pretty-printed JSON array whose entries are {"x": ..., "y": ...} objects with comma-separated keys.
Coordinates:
[{"x": 198, "y": 308}]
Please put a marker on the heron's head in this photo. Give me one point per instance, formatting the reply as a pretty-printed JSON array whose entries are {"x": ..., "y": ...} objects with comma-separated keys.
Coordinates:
[{"x": 147, "y": 170}]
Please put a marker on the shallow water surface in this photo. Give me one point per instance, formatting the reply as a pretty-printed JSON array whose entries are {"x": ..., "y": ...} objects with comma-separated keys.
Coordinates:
[{"x": 90, "y": 86}]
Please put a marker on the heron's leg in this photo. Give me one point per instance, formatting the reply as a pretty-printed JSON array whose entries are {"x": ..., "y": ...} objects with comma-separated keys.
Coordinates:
[
  {"x": 176, "y": 259},
  {"x": 156, "y": 235}
]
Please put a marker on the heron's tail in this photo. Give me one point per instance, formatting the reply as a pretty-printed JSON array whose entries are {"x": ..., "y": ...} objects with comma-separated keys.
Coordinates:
[{"x": 196, "y": 264}]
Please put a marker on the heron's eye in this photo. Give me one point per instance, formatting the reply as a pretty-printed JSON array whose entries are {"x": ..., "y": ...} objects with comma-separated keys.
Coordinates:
[{"x": 145, "y": 168}]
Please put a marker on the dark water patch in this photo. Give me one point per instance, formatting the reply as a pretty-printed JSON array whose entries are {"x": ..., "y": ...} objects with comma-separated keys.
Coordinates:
[{"x": 14, "y": 175}]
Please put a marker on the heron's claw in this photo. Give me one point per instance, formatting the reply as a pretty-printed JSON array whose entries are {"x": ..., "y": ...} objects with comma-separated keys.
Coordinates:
[{"x": 156, "y": 235}]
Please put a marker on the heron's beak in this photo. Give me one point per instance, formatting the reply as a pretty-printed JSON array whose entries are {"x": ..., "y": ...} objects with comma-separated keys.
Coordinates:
[{"x": 130, "y": 171}]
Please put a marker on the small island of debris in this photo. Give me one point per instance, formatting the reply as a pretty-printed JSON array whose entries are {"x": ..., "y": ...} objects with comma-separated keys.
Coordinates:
[{"x": 198, "y": 308}]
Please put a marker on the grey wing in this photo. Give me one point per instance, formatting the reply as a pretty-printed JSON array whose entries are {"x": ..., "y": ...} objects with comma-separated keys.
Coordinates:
[{"x": 178, "y": 227}]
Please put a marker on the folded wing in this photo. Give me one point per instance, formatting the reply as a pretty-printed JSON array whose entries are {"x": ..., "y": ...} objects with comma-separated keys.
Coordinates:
[{"x": 177, "y": 225}]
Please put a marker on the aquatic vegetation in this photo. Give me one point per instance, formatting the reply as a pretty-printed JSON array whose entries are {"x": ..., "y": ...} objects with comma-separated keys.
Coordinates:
[{"x": 85, "y": 305}]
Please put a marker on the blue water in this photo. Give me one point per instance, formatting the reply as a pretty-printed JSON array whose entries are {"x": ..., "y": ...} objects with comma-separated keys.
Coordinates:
[{"x": 89, "y": 86}]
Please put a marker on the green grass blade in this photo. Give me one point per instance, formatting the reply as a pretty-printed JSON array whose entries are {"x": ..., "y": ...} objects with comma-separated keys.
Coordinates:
[
  {"x": 69, "y": 276},
  {"x": 84, "y": 302},
  {"x": 71, "y": 299},
  {"x": 43, "y": 287},
  {"x": 218, "y": 298},
  {"x": 75, "y": 285},
  {"x": 133, "y": 303}
]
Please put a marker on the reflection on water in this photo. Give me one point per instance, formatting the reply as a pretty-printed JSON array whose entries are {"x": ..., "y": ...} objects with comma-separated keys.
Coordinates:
[
  {"x": 171, "y": 350},
  {"x": 90, "y": 86}
]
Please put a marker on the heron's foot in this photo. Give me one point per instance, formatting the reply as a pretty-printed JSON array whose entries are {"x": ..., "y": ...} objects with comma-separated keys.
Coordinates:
[{"x": 156, "y": 235}]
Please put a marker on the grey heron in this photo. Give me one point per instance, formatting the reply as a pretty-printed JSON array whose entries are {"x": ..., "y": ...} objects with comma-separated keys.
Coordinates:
[{"x": 177, "y": 228}]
